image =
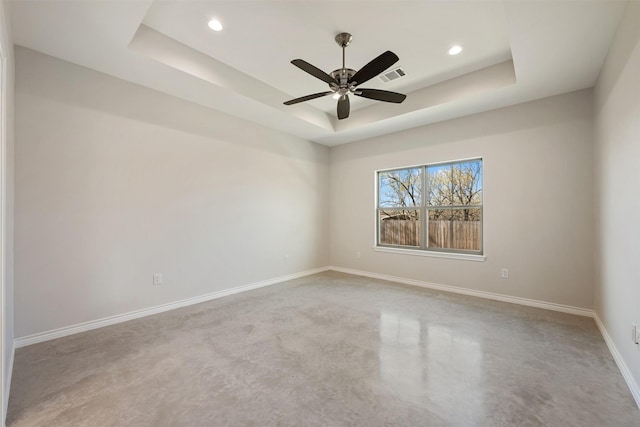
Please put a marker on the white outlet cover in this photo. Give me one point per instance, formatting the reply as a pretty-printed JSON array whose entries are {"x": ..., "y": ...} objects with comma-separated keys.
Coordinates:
[
  {"x": 157, "y": 279},
  {"x": 637, "y": 336}
]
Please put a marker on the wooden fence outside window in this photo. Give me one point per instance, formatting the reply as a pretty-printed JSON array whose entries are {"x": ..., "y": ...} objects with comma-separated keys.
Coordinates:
[{"x": 450, "y": 234}]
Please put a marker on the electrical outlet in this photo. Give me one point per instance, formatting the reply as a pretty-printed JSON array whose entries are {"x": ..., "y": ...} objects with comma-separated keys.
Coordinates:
[
  {"x": 286, "y": 259},
  {"x": 358, "y": 255},
  {"x": 157, "y": 279},
  {"x": 637, "y": 338},
  {"x": 504, "y": 273}
]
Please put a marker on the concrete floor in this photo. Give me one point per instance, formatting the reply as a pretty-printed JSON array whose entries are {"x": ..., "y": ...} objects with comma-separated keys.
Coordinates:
[{"x": 328, "y": 350}]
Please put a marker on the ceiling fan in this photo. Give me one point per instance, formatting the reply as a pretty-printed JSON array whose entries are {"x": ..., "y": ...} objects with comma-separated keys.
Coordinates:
[{"x": 345, "y": 81}]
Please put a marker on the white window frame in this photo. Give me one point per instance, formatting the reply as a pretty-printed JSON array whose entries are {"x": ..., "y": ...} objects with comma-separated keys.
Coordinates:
[{"x": 424, "y": 249}]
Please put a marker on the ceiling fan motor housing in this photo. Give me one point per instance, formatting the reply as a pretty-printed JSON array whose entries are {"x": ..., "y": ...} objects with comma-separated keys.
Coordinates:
[{"x": 342, "y": 75}]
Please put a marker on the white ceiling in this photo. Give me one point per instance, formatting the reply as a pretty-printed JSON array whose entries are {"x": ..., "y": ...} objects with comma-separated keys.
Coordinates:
[{"x": 515, "y": 51}]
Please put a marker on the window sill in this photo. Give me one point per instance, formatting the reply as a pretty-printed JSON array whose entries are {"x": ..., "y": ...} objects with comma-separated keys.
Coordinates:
[{"x": 433, "y": 254}]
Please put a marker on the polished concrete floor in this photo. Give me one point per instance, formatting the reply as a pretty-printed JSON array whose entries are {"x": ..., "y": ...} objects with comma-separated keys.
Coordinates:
[{"x": 328, "y": 350}]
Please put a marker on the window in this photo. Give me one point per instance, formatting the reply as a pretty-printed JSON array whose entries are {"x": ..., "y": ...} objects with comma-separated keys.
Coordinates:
[{"x": 434, "y": 207}]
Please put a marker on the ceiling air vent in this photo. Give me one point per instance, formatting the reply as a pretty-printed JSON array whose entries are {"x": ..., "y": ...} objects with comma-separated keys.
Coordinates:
[{"x": 396, "y": 73}]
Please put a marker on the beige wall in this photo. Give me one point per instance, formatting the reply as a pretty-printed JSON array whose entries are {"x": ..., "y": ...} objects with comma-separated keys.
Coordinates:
[
  {"x": 538, "y": 216},
  {"x": 115, "y": 182},
  {"x": 617, "y": 151}
]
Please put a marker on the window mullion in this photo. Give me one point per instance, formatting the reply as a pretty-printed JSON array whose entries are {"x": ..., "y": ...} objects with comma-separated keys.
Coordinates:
[{"x": 424, "y": 220}]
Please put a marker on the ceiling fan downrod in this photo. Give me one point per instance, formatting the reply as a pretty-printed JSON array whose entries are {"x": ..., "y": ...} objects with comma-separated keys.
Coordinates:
[{"x": 343, "y": 40}]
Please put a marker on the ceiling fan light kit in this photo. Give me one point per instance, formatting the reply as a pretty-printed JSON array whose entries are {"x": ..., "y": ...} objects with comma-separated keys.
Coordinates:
[{"x": 345, "y": 81}]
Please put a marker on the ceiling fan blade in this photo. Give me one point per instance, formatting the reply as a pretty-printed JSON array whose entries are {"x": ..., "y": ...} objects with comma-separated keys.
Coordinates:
[
  {"x": 314, "y": 71},
  {"x": 381, "y": 95},
  {"x": 308, "y": 97},
  {"x": 343, "y": 107},
  {"x": 373, "y": 68}
]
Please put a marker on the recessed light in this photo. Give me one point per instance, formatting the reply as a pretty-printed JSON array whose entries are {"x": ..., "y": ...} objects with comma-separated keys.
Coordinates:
[
  {"x": 454, "y": 50},
  {"x": 215, "y": 25}
]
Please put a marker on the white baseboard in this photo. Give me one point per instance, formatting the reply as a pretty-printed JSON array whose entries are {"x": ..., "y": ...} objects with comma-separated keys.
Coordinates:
[
  {"x": 7, "y": 386},
  {"x": 119, "y": 318},
  {"x": 626, "y": 373},
  {"x": 472, "y": 292}
]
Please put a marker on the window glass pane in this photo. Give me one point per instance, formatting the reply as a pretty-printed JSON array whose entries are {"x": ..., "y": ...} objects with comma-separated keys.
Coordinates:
[
  {"x": 440, "y": 185},
  {"x": 399, "y": 227},
  {"x": 455, "y": 228},
  {"x": 467, "y": 183},
  {"x": 455, "y": 184},
  {"x": 400, "y": 188}
]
